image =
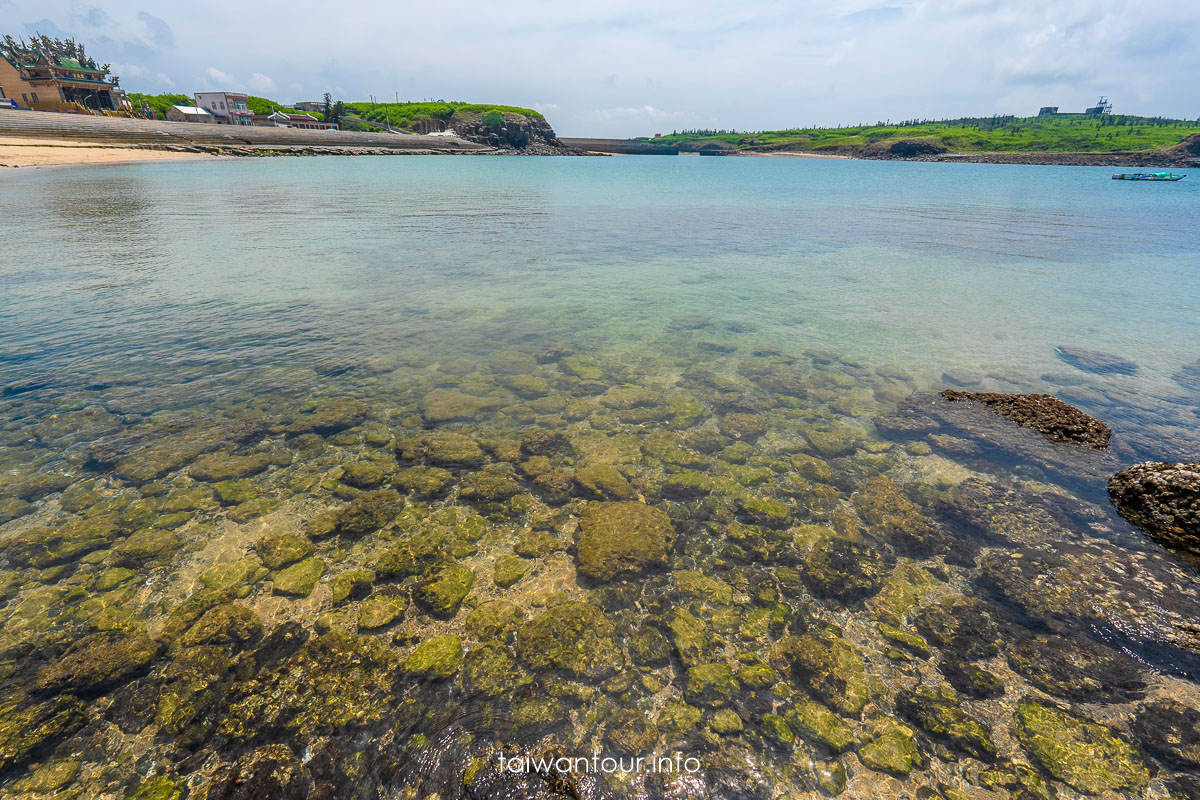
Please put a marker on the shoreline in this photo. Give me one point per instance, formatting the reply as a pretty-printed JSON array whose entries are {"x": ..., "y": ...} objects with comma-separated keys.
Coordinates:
[{"x": 28, "y": 153}]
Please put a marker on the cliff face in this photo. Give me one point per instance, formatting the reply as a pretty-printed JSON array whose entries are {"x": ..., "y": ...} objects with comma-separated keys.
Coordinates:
[{"x": 517, "y": 132}]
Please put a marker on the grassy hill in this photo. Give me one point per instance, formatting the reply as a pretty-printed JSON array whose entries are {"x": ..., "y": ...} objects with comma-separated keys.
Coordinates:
[
  {"x": 424, "y": 117},
  {"x": 1061, "y": 133},
  {"x": 160, "y": 103}
]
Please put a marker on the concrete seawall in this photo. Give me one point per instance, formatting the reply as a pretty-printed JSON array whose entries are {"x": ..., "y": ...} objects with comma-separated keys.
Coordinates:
[
  {"x": 629, "y": 147},
  {"x": 191, "y": 135}
]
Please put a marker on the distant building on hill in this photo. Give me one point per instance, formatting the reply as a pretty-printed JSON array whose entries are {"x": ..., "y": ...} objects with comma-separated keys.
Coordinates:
[
  {"x": 314, "y": 106},
  {"x": 229, "y": 108},
  {"x": 1047, "y": 111},
  {"x": 53, "y": 75},
  {"x": 280, "y": 119},
  {"x": 1101, "y": 107},
  {"x": 191, "y": 114}
]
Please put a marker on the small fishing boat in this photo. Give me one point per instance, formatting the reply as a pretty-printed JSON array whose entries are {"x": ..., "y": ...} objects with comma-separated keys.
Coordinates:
[{"x": 1147, "y": 176}]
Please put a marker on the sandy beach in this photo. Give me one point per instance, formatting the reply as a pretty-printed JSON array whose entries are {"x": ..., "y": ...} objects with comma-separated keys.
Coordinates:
[{"x": 29, "y": 152}]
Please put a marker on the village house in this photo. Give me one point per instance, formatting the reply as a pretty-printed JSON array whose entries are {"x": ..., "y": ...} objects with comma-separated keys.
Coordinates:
[
  {"x": 313, "y": 106},
  {"x": 229, "y": 108},
  {"x": 53, "y": 75},
  {"x": 191, "y": 114},
  {"x": 279, "y": 119}
]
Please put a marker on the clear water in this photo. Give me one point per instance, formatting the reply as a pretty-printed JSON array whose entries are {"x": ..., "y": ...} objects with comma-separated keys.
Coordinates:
[{"x": 192, "y": 293}]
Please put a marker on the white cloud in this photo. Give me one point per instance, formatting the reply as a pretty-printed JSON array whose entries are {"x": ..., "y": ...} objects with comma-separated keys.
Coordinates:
[
  {"x": 262, "y": 83},
  {"x": 219, "y": 79}
]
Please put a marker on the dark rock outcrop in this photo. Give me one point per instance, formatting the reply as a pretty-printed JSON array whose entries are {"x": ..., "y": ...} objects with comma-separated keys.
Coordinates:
[
  {"x": 907, "y": 148},
  {"x": 1044, "y": 413},
  {"x": 1163, "y": 499},
  {"x": 516, "y": 132}
]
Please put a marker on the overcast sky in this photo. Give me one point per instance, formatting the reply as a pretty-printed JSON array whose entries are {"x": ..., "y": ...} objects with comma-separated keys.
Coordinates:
[{"x": 623, "y": 68}]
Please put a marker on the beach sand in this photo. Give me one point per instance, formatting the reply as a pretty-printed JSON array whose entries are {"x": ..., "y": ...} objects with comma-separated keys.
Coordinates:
[{"x": 18, "y": 152}]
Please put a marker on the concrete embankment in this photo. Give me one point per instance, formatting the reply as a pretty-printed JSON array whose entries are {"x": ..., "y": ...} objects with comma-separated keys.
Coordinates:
[{"x": 185, "y": 137}]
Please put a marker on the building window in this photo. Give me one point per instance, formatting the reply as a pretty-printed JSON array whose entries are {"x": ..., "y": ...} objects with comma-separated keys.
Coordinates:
[{"x": 35, "y": 97}]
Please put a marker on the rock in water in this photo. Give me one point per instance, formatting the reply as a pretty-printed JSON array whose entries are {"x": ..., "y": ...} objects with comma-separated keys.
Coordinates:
[
  {"x": 1044, "y": 413},
  {"x": 616, "y": 538},
  {"x": 1096, "y": 361},
  {"x": 1163, "y": 499}
]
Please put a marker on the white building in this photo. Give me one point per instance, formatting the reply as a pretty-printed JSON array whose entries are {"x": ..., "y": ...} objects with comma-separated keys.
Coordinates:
[{"x": 229, "y": 108}]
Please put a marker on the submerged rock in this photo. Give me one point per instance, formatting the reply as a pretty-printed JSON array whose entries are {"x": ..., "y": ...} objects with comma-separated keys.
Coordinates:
[
  {"x": 1077, "y": 669},
  {"x": 1083, "y": 754},
  {"x": 490, "y": 670},
  {"x": 1171, "y": 731},
  {"x": 892, "y": 751},
  {"x": 100, "y": 661},
  {"x": 494, "y": 619},
  {"x": 443, "y": 449},
  {"x": 1096, "y": 361},
  {"x": 438, "y": 657},
  {"x": 300, "y": 578},
  {"x": 827, "y": 666},
  {"x": 269, "y": 771},
  {"x": 845, "y": 570},
  {"x": 622, "y": 538},
  {"x": 281, "y": 548},
  {"x": 328, "y": 416},
  {"x": 370, "y": 511},
  {"x": 1044, "y": 413},
  {"x": 1163, "y": 499},
  {"x": 29, "y": 728},
  {"x": 441, "y": 591},
  {"x": 940, "y": 714},
  {"x": 450, "y": 405},
  {"x": 574, "y": 637}
]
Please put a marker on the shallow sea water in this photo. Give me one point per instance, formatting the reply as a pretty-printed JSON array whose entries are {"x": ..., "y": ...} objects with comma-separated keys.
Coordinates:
[{"x": 340, "y": 477}]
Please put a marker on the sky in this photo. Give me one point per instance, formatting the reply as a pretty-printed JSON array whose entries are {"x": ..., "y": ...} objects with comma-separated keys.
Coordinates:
[{"x": 624, "y": 68}]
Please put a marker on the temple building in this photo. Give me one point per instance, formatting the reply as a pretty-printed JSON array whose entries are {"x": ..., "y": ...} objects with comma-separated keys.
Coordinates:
[{"x": 53, "y": 75}]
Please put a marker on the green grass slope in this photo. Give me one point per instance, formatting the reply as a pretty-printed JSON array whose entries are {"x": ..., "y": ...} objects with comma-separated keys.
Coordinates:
[
  {"x": 1062, "y": 133},
  {"x": 423, "y": 117}
]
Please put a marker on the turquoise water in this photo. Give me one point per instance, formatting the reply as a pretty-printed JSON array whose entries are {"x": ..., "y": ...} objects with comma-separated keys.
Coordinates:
[{"x": 206, "y": 364}]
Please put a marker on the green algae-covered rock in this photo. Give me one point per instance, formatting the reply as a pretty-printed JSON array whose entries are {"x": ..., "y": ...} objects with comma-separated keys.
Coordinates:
[
  {"x": 253, "y": 509},
  {"x": 575, "y": 637},
  {"x": 649, "y": 647},
  {"x": 1022, "y": 781},
  {"x": 111, "y": 579},
  {"x": 437, "y": 657},
  {"x": 370, "y": 511},
  {"x": 940, "y": 713},
  {"x": 622, "y": 538},
  {"x": 49, "y": 777},
  {"x": 631, "y": 731},
  {"x": 489, "y": 670},
  {"x": 776, "y": 730},
  {"x": 28, "y": 727},
  {"x": 1077, "y": 669},
  {"x": 147, "y": 547},
  {"x": 830, "y": 776},
  {"x": 712, "y": 685},
  {"x": 830, "y": 668},
  {"x": 489, "y": 486},
  {"x": 692, "y": 640},
  {"x": 893, "y": 752},
  {"x": 216, "y": 467},
  {"x": 441, "y": 591},
  {"x": 382, "y": 608},
  {"x": 509, "y": 569},
  {"x": 757, "y": 676},
  {"x": 972, "y": 679},
  {"x": 424, "y": 481},
  {"x": 99, "y": 661},
  {"x": 237, "y": 573},
  {"x": 892, "y": 516},
  {"x": 815, "y": 723},
  {"x": 354, "y": 584},
  {"x": 702, "y": 588},
  {"x": 537, "y": 544},
  {"x": 227, "y": 625},
  {"x": 677, "y": 719},
  {"x": 765, "y": 511},
  {"x": 335, "y": 683},
  {"x": 904, "y": 638},
  {"x": 364, "y": 474},
  {"x": 443, "y": 449},
  {"x": 1083, "y": 754},
  {"x": 726, "y": 722},
  {"x": 328, "y": 416},
  {"x": 494, "y": 619},
  {"x": 234, "y": 492},
  {"x": 747, "y": 427},
  {"x": 300, "y": 578},
  {"x": 281, "y": 548},
  {"x": 603, "y": 481},
  {"x": 836, "y": 441},
  {"x": 160, "y": 787},
  {"x": 449, "y": 405},
  {"x": 845, "y": 570}
]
